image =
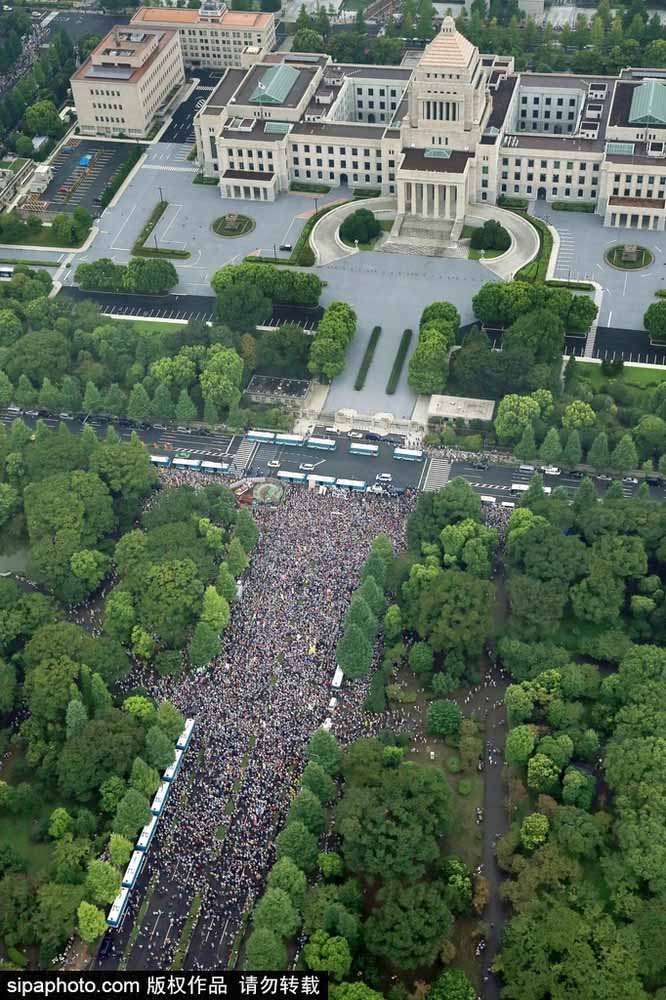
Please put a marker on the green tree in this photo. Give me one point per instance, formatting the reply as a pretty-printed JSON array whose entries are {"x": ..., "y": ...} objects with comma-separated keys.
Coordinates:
[
  {"x": 204, "y": 646},
  {"x": 526, "y": 447},
  {"x": 185, "y": 411},
  {"x": 624, "y": 457},
  {"x": 550, "y": 451},
  {"x": 573, "y": 451},
  {"x": 162, "y": 409},
  {"x": 289, "y": 878},
  {"x": 520, "y": 744},
  {"x": 237, "y": 561},
  {"x": 353, "y": 652},
  {"x": 215, "y": 610},
  {"x": 276, "y": 913},
  {"x": 452, "y": 984},
  {"x": 534, "y": 831},
  {"x": 102, "y": 882},
  {"x": 324, "y": 953},
  {"x": 408, "y": 923},
  {"x": 598, "y": 455},
  {"x": 120, "y": 850},
  {"x": 92, "y": 922},
  {"x": 296, "y": 842},
  {"x": 265, "y": 950},
  {"x": 444, "y": 718},
  {"x": 323, "y": 749},
  {"x": 318, "y": 781},
  {"x": 139, "y": 406},
  {"x": 132, "y": 813},
  {"x": 306, "y": 808},
  {"x": 245, "y": 530},
  {"x": 393, "y": 623},
  {"x": 60, "y": 823}
]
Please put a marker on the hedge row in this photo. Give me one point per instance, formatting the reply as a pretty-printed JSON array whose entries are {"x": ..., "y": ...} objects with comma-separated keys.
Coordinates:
[
  {"x": 396, "y": 371},
  {"x": 121, "y": 175},
  {"x": 367, "y": 357},
  {"x": 574, "y": 206}
]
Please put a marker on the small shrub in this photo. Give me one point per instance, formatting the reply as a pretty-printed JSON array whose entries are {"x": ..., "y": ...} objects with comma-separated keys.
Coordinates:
[
  {"x": 464, "y": 787},
  {"x": 453, "y": 764}
]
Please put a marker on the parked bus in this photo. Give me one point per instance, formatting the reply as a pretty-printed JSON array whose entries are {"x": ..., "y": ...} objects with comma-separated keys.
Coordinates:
[
  {"x": 218, "y": 467},
  {"x": 357, "y": 485},
  {"x": 338, "y": 678},
  {"x": 161, "y": 796},
  {"x": 163, "y": 460},
  {"x": 320, "y": 480},
  {"x": 147, "y": 834},
  {"x": 407, "y": 455},
  {"x": 118, "y": 907},
  {"x": 186, "y": 463},
  {"x": 263, "y": 437},
  {"x": 186, "y": 735},
  {"x": 172, "y": 770},
  {"x": 323, "y": 444},
  {"x": 519, "y": 487},
  {"x": 369, "y": 450},
  {"x": 6, "y": 272},
  {"x": 291, "y": 440},
  {"x": 291, "y": 477},
  {"x": 491, "y": 501},
  {"x": 133, "y": 869}
]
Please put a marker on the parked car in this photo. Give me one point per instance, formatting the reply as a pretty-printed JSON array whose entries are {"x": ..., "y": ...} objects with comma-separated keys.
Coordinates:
[
  {"x": 371, "y": 436},
  {"x": 355, "y": 434},
  {"x": 384, "y": 477},
  {"x": 551, "y": 470},
  {"x": 273, "y": 465},
  {"x": 479, "y": 465},
  {"x": 306, "y": 467},
  {"x": 375, "y": 488},
  {"x": 603, "y": 478},
  {"x": 160, "y": 427},
  {"x": 65, "y": 416},
  {"x": 653, "y": 480},
  {"x": 184, "y": 430},
  {"x": 577, "y": 474},
  {"x": 286, "y": 247},
  {"x": 630, "y": 480}
]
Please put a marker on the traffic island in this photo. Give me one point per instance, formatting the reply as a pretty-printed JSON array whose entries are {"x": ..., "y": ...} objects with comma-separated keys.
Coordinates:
[
  {"x": 628, "y": 257},
  {"x": 232, "y": 225}
]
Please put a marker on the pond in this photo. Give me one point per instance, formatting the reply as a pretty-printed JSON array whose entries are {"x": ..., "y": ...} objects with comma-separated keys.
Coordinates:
[{"x": 15, "y": 561}]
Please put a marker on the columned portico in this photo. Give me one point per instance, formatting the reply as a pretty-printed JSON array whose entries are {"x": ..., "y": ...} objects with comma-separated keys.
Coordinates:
[{"x": 431, "y": 200}]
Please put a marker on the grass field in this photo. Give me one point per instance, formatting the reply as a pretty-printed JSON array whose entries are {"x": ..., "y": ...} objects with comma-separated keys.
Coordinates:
[
  {"x": 638, "y": 378},
  {"x": 386, "y": 224},
  {"x": 44, "y": 238}
]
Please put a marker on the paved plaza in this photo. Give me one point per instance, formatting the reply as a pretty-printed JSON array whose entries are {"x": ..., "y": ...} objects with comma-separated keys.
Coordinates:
[{"x": 583, "y": 243}]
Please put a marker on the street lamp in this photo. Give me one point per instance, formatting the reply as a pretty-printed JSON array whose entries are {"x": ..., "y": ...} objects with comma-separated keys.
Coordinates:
[
  {"x": 161, "y": 195},
  {"x": 316, "y": 203}
]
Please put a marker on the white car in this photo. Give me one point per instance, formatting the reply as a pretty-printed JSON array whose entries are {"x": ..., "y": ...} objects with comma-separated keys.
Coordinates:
[
  {"x": 630, "y": 480},
  {"x": 355, "y": 434},
  {"x": 306, "y": 467},
  {"x": 273, "y": 465},
  {"x": 375, "y": 488},
  {"x": 384, "y": 477},
  {"x": 551, "y": 470}
]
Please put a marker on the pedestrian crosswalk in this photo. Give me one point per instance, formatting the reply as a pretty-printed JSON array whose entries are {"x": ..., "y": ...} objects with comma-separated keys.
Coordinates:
[
  {"x": 243, "y": 456},
  {"x": 437, "y": 475}
]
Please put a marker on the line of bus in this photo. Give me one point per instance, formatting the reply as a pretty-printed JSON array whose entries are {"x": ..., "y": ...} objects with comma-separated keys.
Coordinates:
[
  {"x": 291, "y": 477},
  {"x": 369, "y": 450},
  {"x": 407, "y": 455},
  {"x": 261, "y": 437},
  {"x": 118, "y": 907},
  {"x": 186, "y": 735},
  {"x": 355, "y": 485},
  {"x": 524, "y": 487},
  {"x": 321, "y": 480},
  {"x": 160, "y": 800},
  {"x": 172, "y": 770},
  {"x": 215, "y": 467},
  {"x": 290, "y": 440},
  {"x": 145, "y": 838},
  {"x": 322, "y": 444},
  {"x": 186, "y": 463},
  {"x": 133, "y": 870},
  {"x": 147, "y": 834},
  {"x": 161, "y": 460}
]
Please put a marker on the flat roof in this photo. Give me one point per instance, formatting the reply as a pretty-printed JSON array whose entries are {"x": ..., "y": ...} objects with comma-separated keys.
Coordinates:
[
  {"x": 225, "y": 89},
  {"x": 450, "y": 407},
  {"x": 415, "y": 159},
  {"x": 637, "y": 202},
  {"x": 346, "y": 131},
  {"x": 249, "y": 175},
  {"x": 229, "y": 19},
  {"x": 501, "y": 98},
  {"x": 125, "y": 74}
]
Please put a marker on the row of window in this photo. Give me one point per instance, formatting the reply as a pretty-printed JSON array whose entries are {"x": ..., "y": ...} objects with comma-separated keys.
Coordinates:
[
  {"x": 536, "y": 99},
  {"x": 568, "y": 179},
  {"x": 639, "y": 179},
  {"x": 544, "y": 164},
  {"x": 546, "y": 114},
  {"x": 554, "y": 191}
]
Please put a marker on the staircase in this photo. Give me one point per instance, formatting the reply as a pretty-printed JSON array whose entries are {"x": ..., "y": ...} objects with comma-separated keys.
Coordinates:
[
  {"x": 430, "y": 230},
  {"x": 421, "y": 248}
]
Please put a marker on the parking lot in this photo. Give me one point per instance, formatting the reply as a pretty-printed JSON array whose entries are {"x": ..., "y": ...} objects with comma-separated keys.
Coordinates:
[{"x": 76, "y": 184}]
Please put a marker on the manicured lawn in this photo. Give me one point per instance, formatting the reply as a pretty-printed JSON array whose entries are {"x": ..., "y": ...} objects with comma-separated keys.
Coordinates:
[
  {"x": 44, "y": 238},
  {"x": 639, "y": 378},
  {"x": 16, "y": 830},
  {"x": 487, "y": 254},
  {"x": 386, "y": 225},
  {"x": 614, "y": 257},
  {"x": 13, "y": 165},
  {"x": 225, "y": 226},
  {"x": 150, "y": 325}
]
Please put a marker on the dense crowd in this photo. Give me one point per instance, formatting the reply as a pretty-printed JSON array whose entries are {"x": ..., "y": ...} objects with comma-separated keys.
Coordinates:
[
  {"x": 256, "y": 706},
  {"x": 30, "y": 51}
]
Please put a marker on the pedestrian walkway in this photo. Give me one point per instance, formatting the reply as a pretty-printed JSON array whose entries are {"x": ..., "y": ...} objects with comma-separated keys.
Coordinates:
[
  {"x": 243, "y": 456},
  {"x": 437, "y": 475}
]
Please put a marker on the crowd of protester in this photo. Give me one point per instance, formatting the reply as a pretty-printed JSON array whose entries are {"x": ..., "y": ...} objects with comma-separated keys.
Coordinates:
[{"x": 257, "y": 704}]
